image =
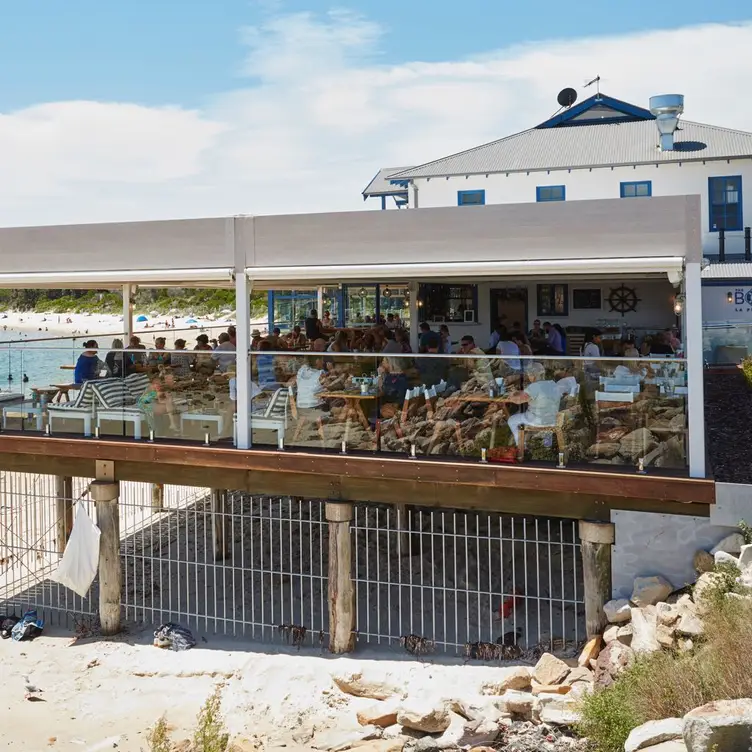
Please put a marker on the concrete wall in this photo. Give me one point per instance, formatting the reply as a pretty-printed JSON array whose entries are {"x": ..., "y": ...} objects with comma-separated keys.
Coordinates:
[
  {"x": 649, "y": 544},
  {"x": 689, "y": 178}
]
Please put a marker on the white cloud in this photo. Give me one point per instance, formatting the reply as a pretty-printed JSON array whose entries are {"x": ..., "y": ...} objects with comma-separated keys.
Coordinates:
[{"x": 321, "y": 112}]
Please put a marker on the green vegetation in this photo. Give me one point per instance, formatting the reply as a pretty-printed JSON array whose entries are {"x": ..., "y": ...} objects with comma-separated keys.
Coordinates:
[
  {"x": 746, "y": 532},
  {"x": 210, "y": 734},
  {"x": 747, "y": 369},
  {"x": 197, "y": 302},
  {"x": 158, "y": 737},
  {"x": 670, "y": 684}
]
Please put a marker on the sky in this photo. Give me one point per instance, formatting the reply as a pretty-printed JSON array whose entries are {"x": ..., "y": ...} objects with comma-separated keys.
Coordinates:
[{"x": 115, "y": 111}]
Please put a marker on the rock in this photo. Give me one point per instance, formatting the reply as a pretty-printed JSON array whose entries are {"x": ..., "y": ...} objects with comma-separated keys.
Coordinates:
[
  {"x": 690, "y": 625},
  {"x": 648, "y": 591},
  {"x": 380, "y": 714},
  {"x": 654, "y": 732},
  {"x": 334, "y": 740},
  {"x": 625, "y": 634},
  {"x": 721, "y": 557},
  {"x": 579, "y": 674},
  {"x": 590, "y": 651},
  {"x": 677, "y": 745},
  {"x": 685, "y": 645},
  {"x": 703, "y": 562},
  {"x": 618, "y": 611},
  {"x": 644, "y": 627},
  {"x": 665, "y": 636},
  {"x": 550, "y": 670},
  {"x": 668, "y": 614},
  {"x": 613, "y": 659},
  {"x": 638, "y": 443},
  {"x": 556, "y": 710},
  {"x": 604, "y": 449},
  {"x": 358, "y": 685},
  {"x": 519, "y": 703},
  {"x": 555, "y": 689},
  {"x": 382, "y": 745},
  {"x": 243, "y": 744},
  {"x": 719, "y": 726},
  {"x": 518, "y": 678},
  {"x": 480, "y": 708},
  {"x": 731, "y": 544},
  {"x": 611, "y": 633},
  {"x": 745, "y": 556},
  {"x": 426, "y": 716},
  {"x": 460, "y": 735}
]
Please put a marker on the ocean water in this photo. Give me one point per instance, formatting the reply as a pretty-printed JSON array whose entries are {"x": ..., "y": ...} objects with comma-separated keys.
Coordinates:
[{"x": 36, "y": 364}]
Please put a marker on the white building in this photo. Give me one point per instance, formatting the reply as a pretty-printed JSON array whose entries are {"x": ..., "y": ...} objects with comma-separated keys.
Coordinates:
[{"x": 607, "y": 148}]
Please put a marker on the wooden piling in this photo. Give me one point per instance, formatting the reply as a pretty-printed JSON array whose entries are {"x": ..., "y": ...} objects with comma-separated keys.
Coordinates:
[
  {"x": 219, "y": 508},
  {"x": 341, "y": 587},
  {"x": 596, "y": 539},
  {"x": 157, "y": 497},
  {"x": 106, "y": 494},
  {"x": 64, "y": 516}
]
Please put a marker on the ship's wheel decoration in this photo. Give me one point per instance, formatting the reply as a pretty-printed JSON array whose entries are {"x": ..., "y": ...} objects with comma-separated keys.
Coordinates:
[{"x": 623, "y": 299}]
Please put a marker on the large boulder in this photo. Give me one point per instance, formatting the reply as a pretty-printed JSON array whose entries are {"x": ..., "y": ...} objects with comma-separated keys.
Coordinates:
[
  {"x": 617, "y": 611},
  {"x": 722, "y": 557},
  {"x": 648, "y": 591},
  {"x": 703, "y": 562},
  {"x": 460, "y": 734},
  {"x": 612, "y": 660},
  {"x": 519, "y": 704},
  {"x": 745, "y": 557},
  {"x": 719, "y": 726},
  {"x": 644, "y": 630},
  {"x": 550, "y": 670},
  {"x": 335, "y": 740},
  {"x": 424, "y": 715},
  {"x": 556, "y": 710},
  {"x": 382, "y": 714},
  {"x": 480, "y": 708},
  {"x": 654, "y": 732},
  {"x": 374, "y": 687},
  {"x": 518, "y": 678},
  {"x": 731, "y": 544},
  {"x": 637, "y": 444}
]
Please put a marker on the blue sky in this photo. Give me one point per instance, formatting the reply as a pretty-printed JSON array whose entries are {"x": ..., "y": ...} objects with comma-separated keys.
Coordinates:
[
  {"x": 115, "y": 110},
  {"x": 185, "y": 52}
]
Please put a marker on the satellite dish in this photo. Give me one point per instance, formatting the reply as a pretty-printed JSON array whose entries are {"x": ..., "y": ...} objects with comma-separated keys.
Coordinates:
[{"x": 567, "y": 97}]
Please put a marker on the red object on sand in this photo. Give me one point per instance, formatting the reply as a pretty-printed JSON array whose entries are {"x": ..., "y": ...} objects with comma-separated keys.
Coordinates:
[{"x": 507, "y": 605}]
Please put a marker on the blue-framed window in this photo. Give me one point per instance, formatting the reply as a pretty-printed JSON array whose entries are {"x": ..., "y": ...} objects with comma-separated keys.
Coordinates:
[
  {"x": 725, "y": 201},
  {"x": 471, "y": 198},
  {"x": 550, "y": 193},
  {"x": 636, "y": 188}
]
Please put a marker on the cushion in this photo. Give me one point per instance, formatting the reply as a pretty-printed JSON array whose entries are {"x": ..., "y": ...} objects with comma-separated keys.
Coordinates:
[{"x": 112, "y": 393}]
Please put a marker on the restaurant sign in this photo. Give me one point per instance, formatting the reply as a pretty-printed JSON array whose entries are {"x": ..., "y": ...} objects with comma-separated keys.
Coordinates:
[{"x": 727, "y": 303}]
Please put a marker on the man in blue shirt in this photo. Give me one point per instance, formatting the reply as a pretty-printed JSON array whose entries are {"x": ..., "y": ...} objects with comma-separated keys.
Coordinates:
[{"x": 553, "y": 339}]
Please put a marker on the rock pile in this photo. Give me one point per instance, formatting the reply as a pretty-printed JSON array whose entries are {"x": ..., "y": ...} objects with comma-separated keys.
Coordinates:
[{"x": 524, "y": 708}]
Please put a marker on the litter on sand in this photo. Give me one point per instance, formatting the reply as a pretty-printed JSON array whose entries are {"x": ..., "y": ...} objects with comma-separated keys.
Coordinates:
[
  {"x": 27, "y": 628},
  {"x": 174, "y": 637}
]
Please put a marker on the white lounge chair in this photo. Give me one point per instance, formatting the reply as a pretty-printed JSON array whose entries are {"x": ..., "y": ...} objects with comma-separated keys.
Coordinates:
[
  {"x": 274, "y": 416},
  {"x": 82, "y": 408},
  {"x": 114, "y": 401}
]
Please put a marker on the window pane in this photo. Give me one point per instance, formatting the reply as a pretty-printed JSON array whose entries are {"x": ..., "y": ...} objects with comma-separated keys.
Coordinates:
[
  {"x": 628, "y": 191},
  {"x": 641, "y": 189}
]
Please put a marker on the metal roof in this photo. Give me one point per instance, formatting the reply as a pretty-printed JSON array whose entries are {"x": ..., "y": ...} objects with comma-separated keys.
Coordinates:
[
  {"x": 742, "y": 270},
  {"x": 380, "y": 185},
  {"x": 597, "y": 145}
]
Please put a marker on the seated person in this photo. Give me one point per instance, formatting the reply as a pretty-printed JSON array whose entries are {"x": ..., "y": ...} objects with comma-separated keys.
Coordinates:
[
  {"x": 479, "y": 366},
  {"x": 543, "y": 398},
  {"x": 88, "y": 365},
  {"x": 159, "y": 356},
  {"x": 660, "y": 345},
  {"x": 433, "y": 370},
  {"x": 309, "y": 381},
  {"x": 506, "y": 346}
]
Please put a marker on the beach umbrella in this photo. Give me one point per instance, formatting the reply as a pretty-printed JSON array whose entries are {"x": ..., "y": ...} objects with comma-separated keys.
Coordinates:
[
  {"x": 142, "y": 318},
  {"x": 191, "y": 321}
]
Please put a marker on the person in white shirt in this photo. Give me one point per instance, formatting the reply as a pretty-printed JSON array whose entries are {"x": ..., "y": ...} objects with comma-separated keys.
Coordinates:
[
  {"x": 309, "y": 385},
  {"x": 507, "y": 347},
  {"x": 592, "y": 349},
  {"x": 224, "y": 355},
  {"x": 543, "y": 399}
]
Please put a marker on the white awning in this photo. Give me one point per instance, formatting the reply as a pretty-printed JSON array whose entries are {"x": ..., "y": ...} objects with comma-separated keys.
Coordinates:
[
  {"x": 104, "y": 279},
  {"x": 488, "y": 269}
]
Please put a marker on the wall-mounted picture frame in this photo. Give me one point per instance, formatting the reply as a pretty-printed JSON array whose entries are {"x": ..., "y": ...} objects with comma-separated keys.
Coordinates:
[
  {"x": 553, "y": 300},
  {"x": 587, "y": 299},
  {"x": 469, "y": 317}
]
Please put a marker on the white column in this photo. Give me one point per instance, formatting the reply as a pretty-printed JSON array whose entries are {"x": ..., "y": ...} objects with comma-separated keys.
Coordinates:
[
  {"x": 695, "y": 364},
  {"x": 243, "y": 330},
  {"x": 128, "y": 293},
  {"x": 414, "y": 315},
  {"x": 319, "y": 302}
]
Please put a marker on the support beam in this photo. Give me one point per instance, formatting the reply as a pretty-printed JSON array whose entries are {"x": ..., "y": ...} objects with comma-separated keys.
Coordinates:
[
  {"x": 106, "y": 495},
  {"x": 128, "y": 292},
  {"x": 415, "y": 311},
  {"x": 64, "y": 494},
  {"x": 596, "y": 539},
  {"x": 695, "y": 364},
  {"x": 341, "y": 588},
  {"x": 243, "y": 288},
  {"x": 157, "y": 497},
  {"x": 220, "y": 524}
]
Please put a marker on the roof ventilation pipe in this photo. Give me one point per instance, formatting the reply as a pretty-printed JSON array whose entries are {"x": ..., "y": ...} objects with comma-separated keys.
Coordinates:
[{"x": 667, "y": 108}]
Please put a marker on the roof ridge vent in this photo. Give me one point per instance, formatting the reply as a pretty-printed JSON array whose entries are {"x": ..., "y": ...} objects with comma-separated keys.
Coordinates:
[{"x": 667, "y": 108}]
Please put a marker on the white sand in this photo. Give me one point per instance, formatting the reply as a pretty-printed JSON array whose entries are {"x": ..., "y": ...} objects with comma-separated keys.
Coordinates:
[
  {"x": 102, "y": 693},
  {"x": 29, "y": 326}
]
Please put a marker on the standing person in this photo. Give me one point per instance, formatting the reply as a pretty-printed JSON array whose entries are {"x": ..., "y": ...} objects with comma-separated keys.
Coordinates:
[
  {"x": 446, "y": 340},
  {"x": 496, "y": 336},
  {"x": 559, "y": 328},
  {"x": 425, "y": 330},
  {"x": 592, "y": 349},
  {"x": 181, "y": 360},
  {"x": 224, "y": 355},
  {"x": 314, "y": 329}
]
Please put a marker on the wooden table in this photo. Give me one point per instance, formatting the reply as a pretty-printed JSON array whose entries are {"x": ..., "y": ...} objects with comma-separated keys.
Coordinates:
[
  {"x": 68, "y": 368},
  {"x": 41, "y": 394},
  {"x": 63, "y": 391},
  {"x": 354, "y": 402}
]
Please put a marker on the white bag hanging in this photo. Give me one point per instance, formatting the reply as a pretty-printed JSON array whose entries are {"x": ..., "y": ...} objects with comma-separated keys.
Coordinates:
[{"x": 78, "y": 567}]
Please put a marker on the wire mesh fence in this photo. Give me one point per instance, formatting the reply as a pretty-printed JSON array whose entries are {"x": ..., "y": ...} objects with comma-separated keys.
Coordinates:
[{"x": 242, "y": 565}]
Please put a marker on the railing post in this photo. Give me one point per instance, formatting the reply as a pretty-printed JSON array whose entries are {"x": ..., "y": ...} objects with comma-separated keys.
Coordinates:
[
  {"x": 747, "y": 244},
  {"x": 157, "y": 497},
  {"x": 341, "y": 588},
  {"x": 106, "y": 494},
  {"x": 64, "y": 517},
  {"x": 721, "y": 245},
  {"x": 596, "y": 539}
]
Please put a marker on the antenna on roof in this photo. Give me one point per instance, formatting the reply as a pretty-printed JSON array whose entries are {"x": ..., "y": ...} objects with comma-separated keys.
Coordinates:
[{"x": 597, "y": 82}]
